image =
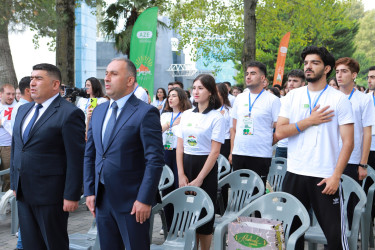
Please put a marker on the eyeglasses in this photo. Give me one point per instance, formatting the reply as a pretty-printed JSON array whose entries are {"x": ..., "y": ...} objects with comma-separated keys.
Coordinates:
[{"x": 371, "y": 77}]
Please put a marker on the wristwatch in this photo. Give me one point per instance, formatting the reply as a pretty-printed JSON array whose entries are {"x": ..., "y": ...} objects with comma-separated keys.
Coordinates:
[{"x": 363, "y": 165}]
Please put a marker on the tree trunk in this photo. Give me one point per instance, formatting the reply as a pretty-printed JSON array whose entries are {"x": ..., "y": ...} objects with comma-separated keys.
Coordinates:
[
  {"x": 7, "y": 73},
  {"x": 65, "y": 40},
  {"x": 249, "y": 48}
]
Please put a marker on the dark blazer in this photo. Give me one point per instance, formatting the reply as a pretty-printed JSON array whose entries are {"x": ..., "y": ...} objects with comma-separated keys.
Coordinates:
[
  {"x": 50, "y": 163},
  {"x": 133, "y": 160}
]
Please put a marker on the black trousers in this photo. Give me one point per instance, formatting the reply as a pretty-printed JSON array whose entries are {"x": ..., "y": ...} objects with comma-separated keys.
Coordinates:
[
  {"x": 327, "y": 208},
  {"x": 43, "y": 226},
  {"x": 259, "y": 165}
]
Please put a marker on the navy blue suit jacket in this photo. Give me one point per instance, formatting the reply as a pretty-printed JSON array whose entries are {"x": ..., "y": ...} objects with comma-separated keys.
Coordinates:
[
  {"x": 133, "y": 160},
  {"x": 49, "y": 165}
]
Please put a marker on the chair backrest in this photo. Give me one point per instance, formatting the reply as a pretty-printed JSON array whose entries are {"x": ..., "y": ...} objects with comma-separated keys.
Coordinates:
[
  {"x": 282, "y": 207},
  {"x": 223, "y": 166},
  {"x": 188, "y": 203},
  {"x": 350, "y": 186},
  {"x": 4, "y": 172},
  {"x": 371, "y": 190},
  {"x": 245, "y": 186},
  {"x": 277, "y": 173},
  {"x": 166, "y": 179}
]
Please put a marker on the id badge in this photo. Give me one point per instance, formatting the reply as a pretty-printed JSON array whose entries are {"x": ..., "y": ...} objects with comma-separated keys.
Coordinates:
[
  {"x": 248, "y": 127},
  {"x": 169, "y": 140}
]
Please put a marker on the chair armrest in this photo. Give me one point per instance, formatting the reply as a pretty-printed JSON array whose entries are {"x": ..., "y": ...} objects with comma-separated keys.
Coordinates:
[
  {"x": 292, "y": 240},
  {"x": 4, "y": 172}
]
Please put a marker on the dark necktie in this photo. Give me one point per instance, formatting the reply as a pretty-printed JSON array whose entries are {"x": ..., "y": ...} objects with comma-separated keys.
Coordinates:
[
  {"x": 31, "y": 123},
  {"x": 110, "y": 125}
]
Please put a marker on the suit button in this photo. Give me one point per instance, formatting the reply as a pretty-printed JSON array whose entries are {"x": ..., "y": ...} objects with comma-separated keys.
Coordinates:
[{"x": 103, "y": 157}]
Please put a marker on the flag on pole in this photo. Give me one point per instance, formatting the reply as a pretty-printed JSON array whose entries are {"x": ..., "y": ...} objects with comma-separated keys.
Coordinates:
[
  {"x": 142, "y": 47},
  {"x": 280, "y": 64}
]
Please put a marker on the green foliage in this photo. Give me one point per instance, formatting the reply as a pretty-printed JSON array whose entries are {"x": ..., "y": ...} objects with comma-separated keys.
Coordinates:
[
  {"x": 207, "y": 24},
  {"x": 364, "y": 42}
]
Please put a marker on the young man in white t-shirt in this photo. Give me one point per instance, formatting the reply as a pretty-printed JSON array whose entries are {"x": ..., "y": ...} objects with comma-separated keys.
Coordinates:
[
  {"x": 314, "y": 117},
  {"x": 296, "y": 79},
  {"x": 364, "y": 118},
  {"x": 254, "y": 116},
  {"x": 371, "y": 86}
]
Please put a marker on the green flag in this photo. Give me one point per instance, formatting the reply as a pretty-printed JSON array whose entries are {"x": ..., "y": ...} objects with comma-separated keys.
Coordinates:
[{"x": 142, "y": 47}]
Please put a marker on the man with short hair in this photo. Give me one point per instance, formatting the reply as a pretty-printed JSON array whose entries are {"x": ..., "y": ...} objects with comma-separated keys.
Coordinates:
[
  {"x": 178, "y": 84},
  {"x": 231, "y": 98},
  {"x": 47, "y": 161},
  {"x": 364, "y": 117},
  {"x": 7, "y": 95},
  {"x": 123, "y": 161},
  {"x": 170, "y": 86},
  {"x": 371, "y": 86},
  {"x": 254, "y": 116},
  {"x": 314, "y": 117},
  {"x": 296, "y": 79},
  {"x": 24, "y": 87}
]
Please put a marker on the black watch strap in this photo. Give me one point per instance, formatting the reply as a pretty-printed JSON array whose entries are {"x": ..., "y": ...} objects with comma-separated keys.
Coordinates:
[{"x": 363, "y": 165}]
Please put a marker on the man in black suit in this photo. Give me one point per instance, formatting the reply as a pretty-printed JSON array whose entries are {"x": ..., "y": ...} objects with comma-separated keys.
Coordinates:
[{"x": 47, "y": 161}]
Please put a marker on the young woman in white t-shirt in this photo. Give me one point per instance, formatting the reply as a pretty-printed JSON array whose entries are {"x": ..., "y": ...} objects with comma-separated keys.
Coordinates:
[
  {"x": 225, "y": 111},
  {"x": 200, "y": 136},
  {"x": 160, "y": 100},
  {"x": 170, "y": 119},
  {"x": 94, "y": 90}
]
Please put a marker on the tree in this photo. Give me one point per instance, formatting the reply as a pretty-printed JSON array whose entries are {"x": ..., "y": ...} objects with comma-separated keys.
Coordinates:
[
  {"x": 220, "y": 24},
  {"x": 65, "y": 40},
  {"x": 127, "y": 12},
  {"x": 15, "y": 15},
  {"x": 249, "y": 47},
  {"x": 364, "y": 42}
]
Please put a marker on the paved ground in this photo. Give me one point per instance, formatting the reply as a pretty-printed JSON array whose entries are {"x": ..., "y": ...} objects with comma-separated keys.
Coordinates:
[{"x": 79, "y": 222}]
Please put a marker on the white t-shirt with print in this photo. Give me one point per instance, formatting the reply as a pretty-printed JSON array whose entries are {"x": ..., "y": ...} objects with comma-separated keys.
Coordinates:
[
  {"x": 198, "y": 130},
  {"x": 364, "y": 116},
  {"x": 314, "y": 151},
  {"x": 228, "y": 120},
  {"x": 141, "y": 94},
  {"x": 256, "y": 142},
  {"x": 169, "y": 136}
]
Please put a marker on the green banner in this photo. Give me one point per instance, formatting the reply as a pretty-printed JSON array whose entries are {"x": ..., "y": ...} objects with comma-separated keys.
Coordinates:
[{"x": 142, "y": 47}]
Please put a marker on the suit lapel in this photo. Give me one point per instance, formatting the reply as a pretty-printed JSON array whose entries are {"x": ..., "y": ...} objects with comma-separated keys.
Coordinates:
[
  {"x": 126, "y": 112},
  {"x": 23, "y": 113},
  {"x": 52, "y": 108},
  {"x": 97, "y": 128}
]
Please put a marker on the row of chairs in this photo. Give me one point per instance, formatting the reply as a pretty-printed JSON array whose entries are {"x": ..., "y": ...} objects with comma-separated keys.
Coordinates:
[{"x": 246, "y": 189}]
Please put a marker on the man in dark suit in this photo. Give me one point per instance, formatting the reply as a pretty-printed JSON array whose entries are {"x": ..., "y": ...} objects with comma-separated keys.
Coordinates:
[
  {"x": 123, "y": 162},
  {"x": 47, "y": 161}
]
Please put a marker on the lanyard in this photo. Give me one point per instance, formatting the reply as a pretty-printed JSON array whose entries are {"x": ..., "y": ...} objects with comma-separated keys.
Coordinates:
[
  {"x": 351, "y": 94},
  {"x": 135, "y": 89},
  {"x": 172, "y": 120},
  {"x": 373, "y": 97},
  {"x": 308, "y": 94},
  {"x": 222, "y": 107},
  {"x": 87, "y": 105},
  {"x": 252, "y": 104}
]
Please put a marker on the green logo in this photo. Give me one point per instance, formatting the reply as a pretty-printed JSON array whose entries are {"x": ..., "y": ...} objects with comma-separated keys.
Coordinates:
[
  {"x": 192, "y": 140},
  {"x": 306, "y": 106},
  {"x": 189, "y": 124},
  {"x": 250, "y": 240}
]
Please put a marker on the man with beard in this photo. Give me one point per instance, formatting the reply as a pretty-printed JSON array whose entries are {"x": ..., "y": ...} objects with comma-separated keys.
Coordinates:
[
  {"x": 254, "y": 116},
  {"x": 314, "y": 117}
]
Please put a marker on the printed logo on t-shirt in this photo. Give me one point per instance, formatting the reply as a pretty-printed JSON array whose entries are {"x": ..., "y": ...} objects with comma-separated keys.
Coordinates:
[
  {"x": 192, "y": 140},
  {"x": 306, "y": 106},
  {"x": 189, "y": 124}
]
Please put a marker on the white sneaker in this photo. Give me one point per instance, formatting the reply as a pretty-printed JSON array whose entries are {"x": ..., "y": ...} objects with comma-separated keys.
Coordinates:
[{"x": 161, "y": 232}]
